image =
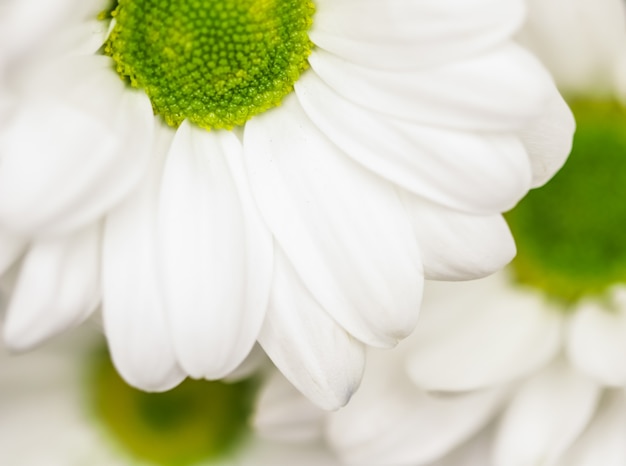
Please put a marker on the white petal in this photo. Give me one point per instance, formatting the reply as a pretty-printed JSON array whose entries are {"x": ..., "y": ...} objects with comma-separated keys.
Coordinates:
[
  {"x": 604, "y": 441},
  {"x": 405, "y": 34},
  {"x": 68, "y": 157},
  {"x": 482, "y": 338},
  {"x": 547, "y": 414},
  {"x": 596, "y": 342},
  {"x": 27, "y": 25},
  {"x": 11, "y": 247},
  {"x": 283, "y": 414},
  {"x": 458, "y": 246},
  {"x": 502, "y": 90},
  {"x": 133, "y": 311},
  {"x": 216, "y": 254},
  {"x": 57, "y": 288},
  {"x": 579, "y": 40},
  {"x": 342, "y": 228},
  {"x": 309, "y": 347},
  {"x": 548, "y": 139},
  {"x": 390, "y": 421},
  {"x": 476, "y": 172}
]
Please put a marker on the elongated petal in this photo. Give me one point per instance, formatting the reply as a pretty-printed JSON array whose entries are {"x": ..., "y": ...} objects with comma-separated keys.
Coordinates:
[
  {"x": 604, "y": 441},
  {"x": 404, "y": 34},
  {"x": 548, "y": 139},
  {"x": 283, "y": 414},
  {"x": 342, "y": 228},
  {"x": 527, "y": 435},
  {"x": 57, "y": 288},
  {"x": 481, "y": 173},
  {"x": 484, "y": 246},
  {"x": 487, "y": 336},
  {"x": 134, "y": 315},
  {"x": 502, "y": 90},
  {"x": 216, "y": 254},
  {"x": 69, "y": 154},
  {"x": 391, "y": 421},
  {"x": 596, "y": 341},
  {"x": 318, "y": 356}
]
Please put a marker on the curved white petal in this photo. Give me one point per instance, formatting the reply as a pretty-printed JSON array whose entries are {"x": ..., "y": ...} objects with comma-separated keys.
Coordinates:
[
  {"x": 404, "y": 34},
  {"x": 481, "y": 173},
  {"x": 546, "y": 415},
  {"x": 11, "y": 247},
  {"x": 71, "y": 153},
  {"x": 604, "y": 441},
  {"x": 458, "y": 246},
  {"x": 482, "y": 338},
  {"x": 283, "y": 414},
  {"x": 548, "y": 139},
  {"x": 391, "y": 421},
  {"x": 57, "y": 288},
  {"x": 315, "y": 354},
  {"x": 342, "y": 228},
  {"x": 502, "y": 90},
  {"x": 596, "y": 341},
  {"x": 216, "y": 260},
  {"x": 135, "y": 321}
]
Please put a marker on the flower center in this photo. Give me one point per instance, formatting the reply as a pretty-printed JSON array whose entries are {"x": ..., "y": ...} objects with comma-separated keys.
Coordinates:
[
  {"x": 216, "y": 63},
  {"x": 570, "y": 233},
  {"x": 196, "y": 421}
]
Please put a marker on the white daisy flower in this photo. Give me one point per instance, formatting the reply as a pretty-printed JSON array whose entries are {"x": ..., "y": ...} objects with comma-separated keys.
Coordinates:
[
  {"x": 64, "y": 405},
  {"x": 287, "y": 172}
]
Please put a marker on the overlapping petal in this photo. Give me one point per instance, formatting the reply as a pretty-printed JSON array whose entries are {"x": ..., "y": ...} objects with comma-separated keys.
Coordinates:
[
  {"x": 485, "y": 246},
  {"x": 391, "y": 421},
  {"x": 477, "y": 173},
  {"x": 58, "y": 287},
  {"x": 67, "y": 156},
  {"x": 472, "y": 343},
  {"x": 134, "y": 316},
  {"x": 501, "y": 90},
  {"x": 316, "y": 354},
  {"x": 343, "y": 229},
  {"x": 216, "y": 255},
  {"x": 405, "y": 34},
  {"x": 527, "y": 435}
]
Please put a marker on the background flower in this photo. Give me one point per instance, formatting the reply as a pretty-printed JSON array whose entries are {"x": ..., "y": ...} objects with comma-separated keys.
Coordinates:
[{"x": 50, "y": 417}]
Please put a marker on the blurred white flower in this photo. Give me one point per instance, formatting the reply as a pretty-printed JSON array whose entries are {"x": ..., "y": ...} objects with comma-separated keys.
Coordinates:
[
  {"x": 50, "y": 418},
  {"x": 309, "y": 227},
  {"x": 581, "y": 42}
]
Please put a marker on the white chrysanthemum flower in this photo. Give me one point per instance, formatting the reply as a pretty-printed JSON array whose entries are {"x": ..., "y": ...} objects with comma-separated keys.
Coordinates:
[
  {"x": 64, "y": 405},
  {"x": 310, "y": 225}
]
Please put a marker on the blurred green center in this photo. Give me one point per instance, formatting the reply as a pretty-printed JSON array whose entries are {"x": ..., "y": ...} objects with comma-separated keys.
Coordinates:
[
  {"x": 571, "y": 233},
  {"x": 198, "y": 421}
]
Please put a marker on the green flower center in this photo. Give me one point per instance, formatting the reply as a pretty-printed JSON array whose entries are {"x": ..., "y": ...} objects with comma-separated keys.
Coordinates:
[
  {"x": 198, "y": 421},
  {"x": 571, "y": 233},
  {"x": 216, "y": 63}
]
